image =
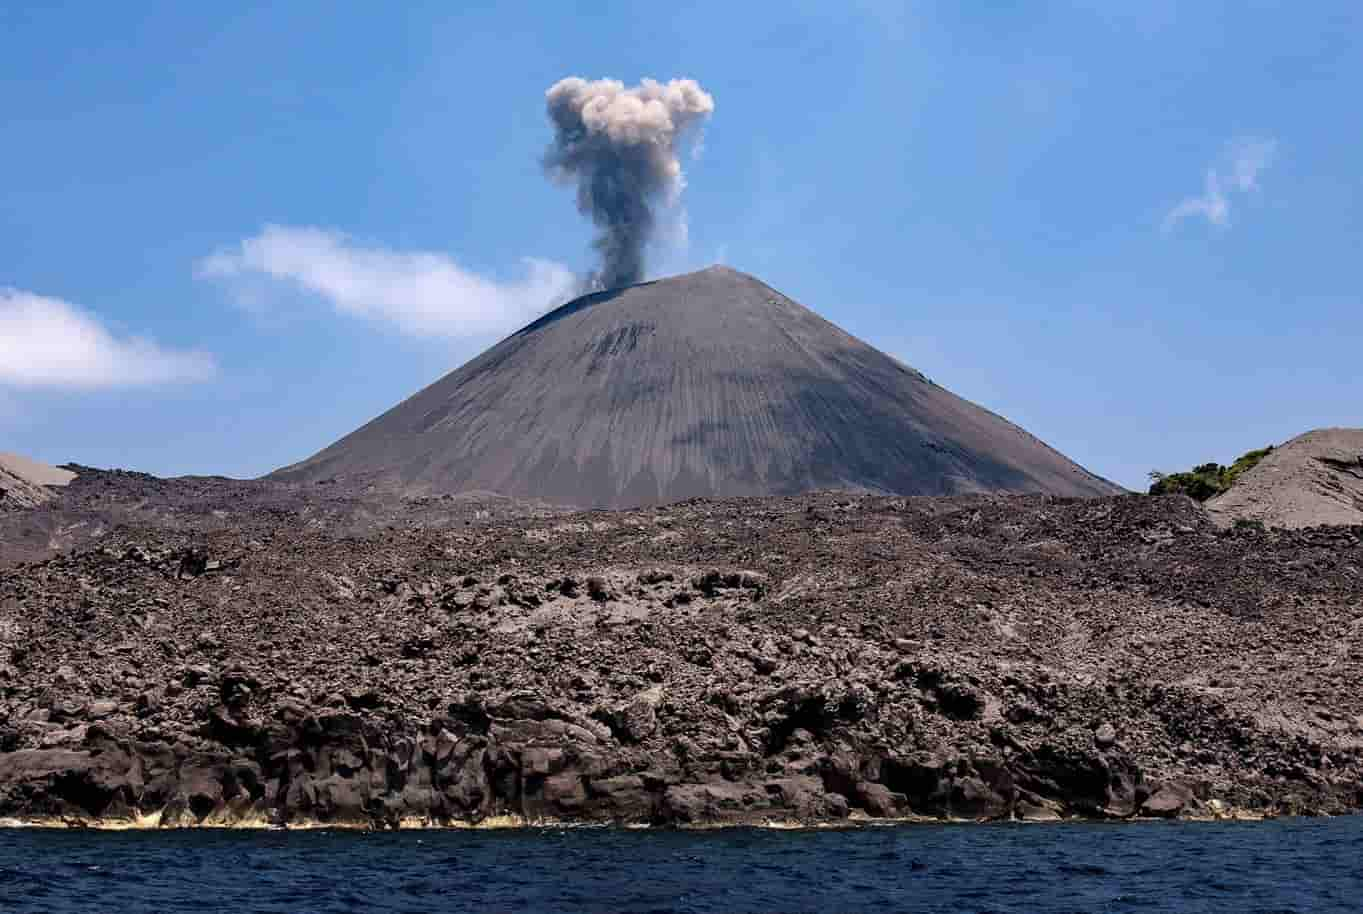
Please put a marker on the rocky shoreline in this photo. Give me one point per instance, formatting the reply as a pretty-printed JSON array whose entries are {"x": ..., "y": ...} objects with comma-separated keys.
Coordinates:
[
  {"x": 818, "y": 660},
  {"x": 523, "y": 764},
  {"x": 108, "y": 785}
]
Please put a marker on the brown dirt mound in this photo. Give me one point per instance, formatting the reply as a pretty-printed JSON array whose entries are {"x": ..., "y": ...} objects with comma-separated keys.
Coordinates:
[
  {"x": 25, "y": 483},
  {"x": 1315, "y": 479}
]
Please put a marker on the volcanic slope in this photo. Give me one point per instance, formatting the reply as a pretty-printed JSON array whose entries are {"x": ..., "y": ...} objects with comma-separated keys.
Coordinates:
[
  {"x": 1312, "y": 480},
  {"x": 707, "y": 384},
  {"x": 25, "y": 483}
]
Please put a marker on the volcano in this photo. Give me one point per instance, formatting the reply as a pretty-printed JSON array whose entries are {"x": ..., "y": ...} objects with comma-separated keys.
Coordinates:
[{"x": 706, "y": 384}]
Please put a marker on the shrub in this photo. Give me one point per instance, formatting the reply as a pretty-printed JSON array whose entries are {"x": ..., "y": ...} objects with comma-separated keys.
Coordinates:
[{"x": 1207, "y": 480}]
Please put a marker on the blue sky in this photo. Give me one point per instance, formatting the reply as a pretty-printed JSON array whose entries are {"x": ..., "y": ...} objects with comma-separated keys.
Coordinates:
[{"x": 230, "y": 234}]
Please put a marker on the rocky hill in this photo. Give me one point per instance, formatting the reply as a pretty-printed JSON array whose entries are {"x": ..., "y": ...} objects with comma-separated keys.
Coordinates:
[
  {"x": 807, "y": 658},
  {"x": 98, "y": 503},
  {"x": 1316, "y": 478},
  {"x": 26, "y": 483},
  {"x": 706, "y": 384}
]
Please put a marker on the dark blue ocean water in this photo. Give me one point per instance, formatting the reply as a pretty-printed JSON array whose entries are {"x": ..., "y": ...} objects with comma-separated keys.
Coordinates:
[{"x": 1288, "y": 865}]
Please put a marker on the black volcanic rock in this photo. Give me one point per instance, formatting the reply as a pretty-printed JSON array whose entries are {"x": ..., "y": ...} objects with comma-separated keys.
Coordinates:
[
  {"x": 706, "y": 384},
  {"x": 835, "y": 656}
]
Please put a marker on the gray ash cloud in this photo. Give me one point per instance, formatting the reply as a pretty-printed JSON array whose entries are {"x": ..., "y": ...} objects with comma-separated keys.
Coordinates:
[{"x": 619, "y": 146}]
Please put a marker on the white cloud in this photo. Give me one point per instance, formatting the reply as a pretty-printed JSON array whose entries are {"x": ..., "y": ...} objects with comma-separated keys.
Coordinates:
[
  {"x": 422, "y": 293},
  {"x": 1239, "y": 173},
  {"x": 46, "y": 342}
]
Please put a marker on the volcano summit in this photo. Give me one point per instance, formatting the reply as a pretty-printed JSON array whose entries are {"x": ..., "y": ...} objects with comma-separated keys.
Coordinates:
[{"x": 706, "y": 384}]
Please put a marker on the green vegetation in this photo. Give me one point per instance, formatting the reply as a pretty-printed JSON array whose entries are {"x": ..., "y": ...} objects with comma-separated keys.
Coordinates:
[{"x": 1205, "y": 481}]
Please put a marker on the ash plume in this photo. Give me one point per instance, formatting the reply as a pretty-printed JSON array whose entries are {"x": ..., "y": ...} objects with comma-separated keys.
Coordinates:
[{"x": 619, "y": 146}]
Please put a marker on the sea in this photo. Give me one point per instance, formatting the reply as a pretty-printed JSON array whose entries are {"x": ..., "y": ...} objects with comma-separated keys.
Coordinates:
[{"x": 1295, "y": 865}]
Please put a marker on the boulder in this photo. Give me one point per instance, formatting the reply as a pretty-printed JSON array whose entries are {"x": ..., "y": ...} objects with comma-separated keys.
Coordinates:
[
  {"x": 625, "y": 797},
  {"x": 636, "y": 720},
  {"x": 1168, "y": 801},
  {"x": 99, "y": 710},
  {"x": 879, "y": 801},
  {"x": 972, "y": 798}
]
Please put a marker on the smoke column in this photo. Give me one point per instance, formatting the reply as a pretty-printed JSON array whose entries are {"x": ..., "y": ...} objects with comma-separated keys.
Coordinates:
[{"x": 619, "y": 146}]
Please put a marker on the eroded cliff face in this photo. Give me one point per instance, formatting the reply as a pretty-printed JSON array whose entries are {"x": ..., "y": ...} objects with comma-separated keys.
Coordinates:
[
  {"x": 808, "y": 659},
  {"x": 335, "y": 768}
]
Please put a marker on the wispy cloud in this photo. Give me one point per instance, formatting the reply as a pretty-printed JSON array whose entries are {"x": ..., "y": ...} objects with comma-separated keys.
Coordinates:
[
  {"x": 420, "y": 292},
  {"x": 1238, "y": 173},
  {"x": 46, "y": 342}
]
